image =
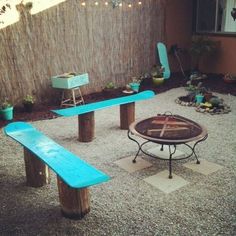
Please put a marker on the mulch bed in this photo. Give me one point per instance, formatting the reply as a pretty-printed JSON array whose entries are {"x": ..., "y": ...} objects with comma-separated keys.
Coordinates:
[{"x": 214, "y": 82}]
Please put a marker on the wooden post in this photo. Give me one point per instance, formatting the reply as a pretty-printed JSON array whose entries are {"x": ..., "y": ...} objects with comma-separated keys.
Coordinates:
[
  {"x": 86, "y": 127},
  {"x": 127, "y": 115},
  {"x": 37, "y": 173},
  {"x": 74, "y": 202}
]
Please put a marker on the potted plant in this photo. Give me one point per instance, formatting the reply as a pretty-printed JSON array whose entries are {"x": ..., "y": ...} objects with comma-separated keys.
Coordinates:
[
  {"x": 109, "y": 90},
  {"x": 208, "y": 95},
  {"x": 230, "y": 79},
  {"x": 199, "y": 98},
  {"x": 203, "y": 91},
  {"x": 7, "y": 110},
  {"x": 157, "y": 75},
  {"x": 198, "y": 93},
  {"x": 128, "y": 90},
  {"x": 135, "y": 84},
  {"x": 28, "y": 103},
  {"x": 201, "y": 46}
]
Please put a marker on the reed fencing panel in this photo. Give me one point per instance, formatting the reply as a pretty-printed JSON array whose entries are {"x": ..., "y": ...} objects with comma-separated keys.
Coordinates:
[{"x": 110, "y": 44}]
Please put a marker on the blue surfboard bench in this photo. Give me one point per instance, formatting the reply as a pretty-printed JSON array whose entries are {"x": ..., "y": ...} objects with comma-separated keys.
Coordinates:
[
  {"x": 74, "y": 175},
  {"x": 162, "y": 53},
  {"x": 86, "y": 112}
]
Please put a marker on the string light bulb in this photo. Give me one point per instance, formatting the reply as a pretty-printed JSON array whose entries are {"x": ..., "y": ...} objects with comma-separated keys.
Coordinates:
[{"x": 114, "y": 2}]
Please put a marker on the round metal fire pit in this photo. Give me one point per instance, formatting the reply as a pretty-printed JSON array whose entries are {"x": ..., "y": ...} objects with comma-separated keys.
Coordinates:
[{"x": 170, "y": 130}]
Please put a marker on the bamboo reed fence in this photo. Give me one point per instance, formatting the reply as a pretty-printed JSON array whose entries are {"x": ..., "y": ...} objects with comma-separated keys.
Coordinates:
[{"x": 110, "y": 44}]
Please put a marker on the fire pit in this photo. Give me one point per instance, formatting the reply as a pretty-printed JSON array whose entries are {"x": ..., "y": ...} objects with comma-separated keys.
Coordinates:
[{"x": 167, "y": 130}]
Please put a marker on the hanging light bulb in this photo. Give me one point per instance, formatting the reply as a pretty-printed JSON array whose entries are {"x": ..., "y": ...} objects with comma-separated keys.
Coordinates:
[
  {"x": 96, "y": 3},
  {"x": 120, "y": 4},
  {"x": 130, "y": 5},
  {"x": 139, "y": 3},
  {"x": 83, "y": 4},
  {"x": 106, "y": 3}
]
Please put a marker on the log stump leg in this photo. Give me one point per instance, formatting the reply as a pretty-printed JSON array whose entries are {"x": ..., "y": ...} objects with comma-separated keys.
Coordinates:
[
  {"x": 37, "y": 173},
  {"x": 74, "y": 202},
  {"x": 86, "y": 127},
  {"x": 127, "y": 115}
]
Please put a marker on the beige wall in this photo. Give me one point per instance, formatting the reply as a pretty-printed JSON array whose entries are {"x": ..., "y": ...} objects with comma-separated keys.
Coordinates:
[
  {"x": 225, "y": 61},
  {"x": 178, "y": 29}
]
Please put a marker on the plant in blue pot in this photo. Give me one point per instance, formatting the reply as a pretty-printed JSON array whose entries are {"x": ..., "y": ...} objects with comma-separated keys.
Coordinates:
[
  {"x": 135, "y": 84},
  {"x": 199, "y": 98},
  {"x": 7, "y": 110},
  {"x": 200, "y": 91}
]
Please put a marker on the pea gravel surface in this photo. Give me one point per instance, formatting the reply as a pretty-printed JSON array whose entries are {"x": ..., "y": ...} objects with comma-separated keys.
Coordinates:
[{"x": 127, "y": 205}]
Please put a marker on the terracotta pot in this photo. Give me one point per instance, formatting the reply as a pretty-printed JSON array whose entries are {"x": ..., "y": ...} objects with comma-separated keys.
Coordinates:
[
  {"x": 207, "y": 96},
  {"x": 109, "y": 93},
  {"x": 229, "y": 81},
  {"x": 28, "y": 107}
]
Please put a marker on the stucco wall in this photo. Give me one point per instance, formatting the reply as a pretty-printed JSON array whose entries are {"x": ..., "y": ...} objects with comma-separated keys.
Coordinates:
[
  {"x": 225, "y": 61},
  {"x": 179, "y": 29}
]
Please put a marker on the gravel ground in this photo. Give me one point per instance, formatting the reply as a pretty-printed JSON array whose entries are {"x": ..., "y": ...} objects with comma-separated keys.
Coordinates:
[{"x": 126, "y": 205}]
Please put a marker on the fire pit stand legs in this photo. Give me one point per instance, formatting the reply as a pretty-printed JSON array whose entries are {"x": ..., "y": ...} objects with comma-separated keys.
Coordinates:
[
  {"x": 193, "y": 148},
  {"x": 139, "y": 147},
  {"x": 170, "y": 160},
  {"x": 171, "y": 151}
]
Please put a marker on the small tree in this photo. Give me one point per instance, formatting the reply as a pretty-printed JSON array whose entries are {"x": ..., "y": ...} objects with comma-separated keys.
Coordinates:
[{"x": 201, "y": 46}]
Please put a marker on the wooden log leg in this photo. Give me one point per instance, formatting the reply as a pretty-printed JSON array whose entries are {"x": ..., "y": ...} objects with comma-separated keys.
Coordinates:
[
  {"x": 37, "y": 173},
  {"x": 74, "y": 202},
  {"x": 81, "y": 97},
  {"x": 73, "y": 97},
  {"x": 127, "y": 115},
  {"x": 86, "y": 127},
  {"x": 62, "y": 98}
]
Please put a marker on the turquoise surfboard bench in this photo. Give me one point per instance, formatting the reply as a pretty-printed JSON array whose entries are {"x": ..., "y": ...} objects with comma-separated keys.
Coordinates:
[
  {"x": 162, "y": 53},
  {"x": 85, "y": 113},
  {"x": 74, "y": 175}
]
